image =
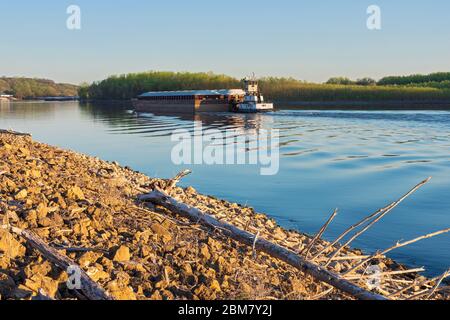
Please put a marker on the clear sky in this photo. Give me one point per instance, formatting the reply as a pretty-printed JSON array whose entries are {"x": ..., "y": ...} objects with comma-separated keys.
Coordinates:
[{"x": 306, "y": 39}]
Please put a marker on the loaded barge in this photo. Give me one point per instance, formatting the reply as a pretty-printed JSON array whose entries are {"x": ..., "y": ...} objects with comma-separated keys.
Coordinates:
[{"x": 224, "y": 100}]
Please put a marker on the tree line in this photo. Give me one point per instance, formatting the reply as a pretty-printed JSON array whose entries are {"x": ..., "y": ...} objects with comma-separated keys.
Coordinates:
[
  {"x": 128, "y": 86},
  {"x": 28, "y": 88},
  {"x": 433, "y": 80},
  {"x": 125, "y": 87}
]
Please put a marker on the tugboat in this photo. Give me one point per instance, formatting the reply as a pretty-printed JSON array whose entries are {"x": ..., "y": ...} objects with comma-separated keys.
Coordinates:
[{"x": 253, "y": 100}]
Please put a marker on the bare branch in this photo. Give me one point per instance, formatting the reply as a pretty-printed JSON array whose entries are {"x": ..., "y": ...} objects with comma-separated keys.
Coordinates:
[
  {"x": 384, "y": 212},
  {"x": 320, "y": 233},
  {"x": 396, "y": 246},
  {"x": 430, "y": 292}
]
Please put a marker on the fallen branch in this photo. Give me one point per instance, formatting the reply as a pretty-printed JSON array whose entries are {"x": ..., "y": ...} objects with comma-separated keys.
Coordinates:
[
  {"x": 161, "y": 198},
  {"x": 368, "y": 218},
  {"x": 89, "y": 288},
  {"x": 173, "y": 182},
  {"x": 343, "y": 258},
  {"x": 396, "y": 246},
  {"x": 383, "y": 212},
  {"x": 388, "y": 273},
  {"x": 430, "y": 292},
  {"x": 319, "y": 234}
]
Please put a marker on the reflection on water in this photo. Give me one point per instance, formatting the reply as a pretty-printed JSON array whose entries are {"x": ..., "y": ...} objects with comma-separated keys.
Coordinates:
[{"x": 357, "y": 161}]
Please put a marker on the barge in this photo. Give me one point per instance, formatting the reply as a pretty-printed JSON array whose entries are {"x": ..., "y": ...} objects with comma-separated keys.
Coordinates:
[{"x": 194, "y": 101}]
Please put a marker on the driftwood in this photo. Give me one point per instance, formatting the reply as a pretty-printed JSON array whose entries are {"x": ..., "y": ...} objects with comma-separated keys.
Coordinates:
[
  {"x": 387, "y": 273},
  {"x": 311, "y": 266},
  {"x": 382, "y": 212},
  {"x": 319, "y": 234},
  {"x": 173, "y": 182},
  {"x": 374, "y": 215},
  {"x": 396, "y": 246},
  {"x": 90, "y": 289},
  {"x": 430, "y": 292},
  {"x": 161, "y": 198}
]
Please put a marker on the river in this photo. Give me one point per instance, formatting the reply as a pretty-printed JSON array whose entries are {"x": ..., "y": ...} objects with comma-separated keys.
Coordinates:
[{"x": 357, "y": 161}]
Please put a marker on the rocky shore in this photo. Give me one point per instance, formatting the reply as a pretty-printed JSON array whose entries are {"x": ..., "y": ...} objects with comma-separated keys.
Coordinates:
[{"x": 87, "y": 209}]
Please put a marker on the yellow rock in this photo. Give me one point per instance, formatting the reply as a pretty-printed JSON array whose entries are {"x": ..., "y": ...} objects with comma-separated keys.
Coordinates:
[
  {"x": 35, "y": 174},
  {"x": 122, "y": 254},
  {"x": 204, "y": 251},
  {"x": 162, "y": 232},
  {"x": 6, "y": 146},
  {"x": 120, "y": 292},
  {"x": 42, "y": 210},
  {"x": 97, "y": 274},
  {"x": 10, "y": 246},
  {"x": 75, "y": 193},
  {"x": 25, "y": 151},
  {"x": 89, "y": 258},
  {"x": 215, "y": 286},
  {"x": 22, "y": 194}
]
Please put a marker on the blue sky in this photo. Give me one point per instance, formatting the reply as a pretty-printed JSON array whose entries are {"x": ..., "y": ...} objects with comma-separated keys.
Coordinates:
[{"x": 309, "y": 40}]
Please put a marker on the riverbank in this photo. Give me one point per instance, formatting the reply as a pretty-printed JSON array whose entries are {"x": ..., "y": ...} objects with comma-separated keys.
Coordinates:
[{"x": 87, "y": 208}]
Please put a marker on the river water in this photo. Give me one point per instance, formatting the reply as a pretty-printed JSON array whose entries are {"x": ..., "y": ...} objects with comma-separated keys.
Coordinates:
[{"x": 357, "y": 161}]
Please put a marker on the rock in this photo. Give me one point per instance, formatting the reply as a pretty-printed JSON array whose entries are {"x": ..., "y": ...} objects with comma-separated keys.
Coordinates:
[
  {"x": 7, "y": 285},
  {"x": 4, "y": 262},
  {"x": 41, "y": 210},
  {"x": 122, "y": 254},
  {"x": 42, "y": 269},
  {"x": 204, "y": 251},
  {"x": 6, "y": 146},
  {"x": 223, "y": 266},
  {"x": 45, "y": 222},
  {"x": 96, "y": 273},
  {"x": 143, "y": 236},
  {"x": 10, "y": 246},
  {"x": 214, "y": 244},
  {"x": 36, "y": 174},
  {"x": 215, "y": 286},
  {"x": 162, "y": 232},
  {"x": 22, "y": 194},
  {"x": 190, "y": 190},
  {"x": 89, "y": 258},
  {"x": 26, "y": 152},
  {"x": 146, "y": 251},
  {"x": 75, "y": 193},
  {"x": 120, "y": 292},
  {"x": 167, "y": 295},
  {"x": 156, "y": 296},
  {"x": 205, "y": 293},
  {"x": 47, "y": 284}
]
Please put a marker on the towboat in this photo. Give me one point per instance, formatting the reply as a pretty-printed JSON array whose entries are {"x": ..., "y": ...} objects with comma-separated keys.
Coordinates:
[{"x": 253, "y": 100}]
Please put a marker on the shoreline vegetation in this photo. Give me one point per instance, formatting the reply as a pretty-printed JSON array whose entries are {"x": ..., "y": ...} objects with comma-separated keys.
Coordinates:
[
  {"x": 58, "y": 205},
  {"x": 431, "y": 89},
  {"x": 394, "y": 92},
  {"x": 28, "y": 88}
]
